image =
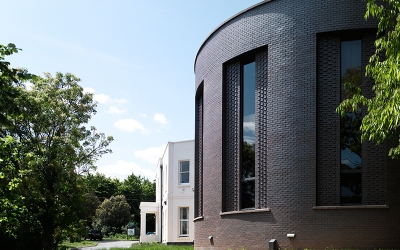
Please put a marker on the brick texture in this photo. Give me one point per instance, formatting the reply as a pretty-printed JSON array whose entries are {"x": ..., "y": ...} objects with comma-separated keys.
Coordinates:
[
  {"x": 231, "y": 161},
  {"x": 198, "y": 175},
  {"x": 297, "y": 147}
]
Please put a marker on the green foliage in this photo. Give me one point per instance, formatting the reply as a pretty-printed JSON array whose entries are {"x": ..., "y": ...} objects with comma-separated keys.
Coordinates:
[
  {"x": 10, "y": 80},
  {"x": 12, "y": 203},
  {"x": 91, "y": 203},
  {"x": 137, "y": 189},
  {"x": 104, "y": 187},
  {"x": 12, "y": 207},
  {"x": 112, "y": 215},
  {"x": 45, "y": 148},
  {"x": 383, "y": 117}
]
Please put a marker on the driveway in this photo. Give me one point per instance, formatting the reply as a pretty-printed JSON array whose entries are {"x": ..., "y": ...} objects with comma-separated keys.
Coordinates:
[{"x": 107, "y": 244}]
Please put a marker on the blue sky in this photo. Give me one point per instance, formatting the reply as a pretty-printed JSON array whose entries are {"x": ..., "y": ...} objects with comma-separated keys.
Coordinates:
[{"x": 136, "y": 56}]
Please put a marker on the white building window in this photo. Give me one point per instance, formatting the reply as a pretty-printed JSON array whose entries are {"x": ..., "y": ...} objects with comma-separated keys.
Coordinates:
[
  {"x": 184, "y": 172},
  {"x": 184, "y": 222}
]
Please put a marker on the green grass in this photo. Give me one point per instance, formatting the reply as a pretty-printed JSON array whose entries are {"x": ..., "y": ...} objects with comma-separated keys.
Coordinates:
[
  {"x": 83, "y": 243},
  {"x": 156, "y": 246}
]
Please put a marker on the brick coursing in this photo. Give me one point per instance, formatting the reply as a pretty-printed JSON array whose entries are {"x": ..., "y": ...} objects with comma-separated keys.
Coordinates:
[
  {"x": 198, "y": 175},
  {"x": 261, "y": 60},
  {"x": 291, "y": 145},
  {"x": 231, "y": 161}
]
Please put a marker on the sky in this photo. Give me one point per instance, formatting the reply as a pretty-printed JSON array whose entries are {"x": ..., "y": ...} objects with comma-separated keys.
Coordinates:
[{"x": 135, "y": 56}]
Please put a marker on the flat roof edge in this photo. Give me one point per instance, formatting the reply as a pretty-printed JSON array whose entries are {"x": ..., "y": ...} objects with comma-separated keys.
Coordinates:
[{"x": 223, "y": 23}]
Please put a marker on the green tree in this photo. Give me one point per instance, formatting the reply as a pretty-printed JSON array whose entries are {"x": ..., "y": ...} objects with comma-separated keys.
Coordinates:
[
  {"x": 112, "y": 214},
  {"x": 10, "y": 80},
  {"x": 12, "y": 208},
  {"x": 383, "y": 117},
  {"x": 91, "y": 203},
  {"x": 137, "y": 189},
  {"x": 104, "y": 187},
  {"x": 52, "y": 132}
]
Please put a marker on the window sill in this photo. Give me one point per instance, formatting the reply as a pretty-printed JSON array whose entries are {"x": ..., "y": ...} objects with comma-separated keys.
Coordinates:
[
  {"x": 198, "y": 218},
  {"x": 246, "y": 211},
  {"x": 350, "y": 207}
]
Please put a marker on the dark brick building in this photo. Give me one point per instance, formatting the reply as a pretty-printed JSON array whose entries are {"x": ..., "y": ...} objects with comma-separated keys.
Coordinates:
[{"x": 273, "y": 158}]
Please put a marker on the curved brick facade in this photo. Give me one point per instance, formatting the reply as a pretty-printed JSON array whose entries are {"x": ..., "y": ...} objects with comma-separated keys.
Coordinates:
[{"x": 296, "y": 46}]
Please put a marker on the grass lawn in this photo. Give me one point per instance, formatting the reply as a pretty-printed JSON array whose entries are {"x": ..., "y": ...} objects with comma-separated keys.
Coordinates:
[
  {"x": 83, "y": 243},
  {"x": 156, "y": 246}
]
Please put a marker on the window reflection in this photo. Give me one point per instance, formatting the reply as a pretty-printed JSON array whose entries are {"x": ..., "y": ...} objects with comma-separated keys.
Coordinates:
[
  {"x": 248, "y": 133},
  {"x": 350, "y": 134},
  {"x": 184, "y": 172}
]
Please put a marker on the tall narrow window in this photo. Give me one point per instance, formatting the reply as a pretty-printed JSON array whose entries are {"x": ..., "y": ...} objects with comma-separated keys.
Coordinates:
[
  {"x": 198, "y": 172},
  {"x": 248, "y": 136},
  {"x": 184, "y": 172},
  {"x": 184, "y": 222},
  {"x": 350, "y": 135}
]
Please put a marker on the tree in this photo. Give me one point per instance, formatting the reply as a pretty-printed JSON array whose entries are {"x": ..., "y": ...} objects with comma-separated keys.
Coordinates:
[
  {"x": 91, "y": 203},
  {"x": 104, "y": 187},
  {"x": 137, "y": 189},
  {"x": 12, "y": 206},
  {"x": 112, "y": 214},
  {"x": 383, "y": 117},
  {"x": 52, "y": 132}
]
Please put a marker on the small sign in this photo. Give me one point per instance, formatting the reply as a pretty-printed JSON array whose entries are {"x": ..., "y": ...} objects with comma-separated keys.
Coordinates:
[{"x": 131, "y": 232}]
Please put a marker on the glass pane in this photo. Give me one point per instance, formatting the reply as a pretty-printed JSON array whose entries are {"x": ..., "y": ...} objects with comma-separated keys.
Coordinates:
[
  {"x": 248, "y": 161},
  {"x": 185, "y": 178},
  {"x": 350, "y": 134},
  {"x": 184, "y": 166},
  {"x": 350, "y": 188},
  {"x": 184, "y": 227},
  {"x": 249, "y": 102},
  {"x": 248, "y": 133},
  {"x": 184, "y": 213},
  {"x": 248, "y": 195}
]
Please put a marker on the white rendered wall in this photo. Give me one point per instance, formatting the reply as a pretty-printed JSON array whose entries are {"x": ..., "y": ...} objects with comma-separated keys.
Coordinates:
[{"x": 177, "y": 195}]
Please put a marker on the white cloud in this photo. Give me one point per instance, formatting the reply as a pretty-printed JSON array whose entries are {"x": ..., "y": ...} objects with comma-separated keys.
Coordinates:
[
  {"x": 89, "y": 90},
  {"x": 101, "y": 98},
  {"x": 129, "y": 125},
  {"x": 122, "y": 169},
  {"x": 160, "y": 118},
  {"x": 115, "y": 110},
  {"x": 150, "y": 155}
]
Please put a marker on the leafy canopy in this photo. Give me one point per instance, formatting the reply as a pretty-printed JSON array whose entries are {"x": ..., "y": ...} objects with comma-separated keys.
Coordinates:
[
  {"x": 383, "y": 117},
  {"x": 45, "y": 148}
]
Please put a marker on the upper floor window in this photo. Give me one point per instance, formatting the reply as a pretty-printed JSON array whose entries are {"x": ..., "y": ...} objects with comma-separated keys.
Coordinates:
[
  {"x": 350, "y": 134},
  {"x": 184, "y": 172},
  {"x": 245, "y": 124},
  {"x": 248, "y": 135}
]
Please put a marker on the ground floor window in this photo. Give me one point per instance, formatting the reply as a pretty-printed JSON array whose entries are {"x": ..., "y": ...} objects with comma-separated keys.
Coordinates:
[{"x": 184, "y": 222}]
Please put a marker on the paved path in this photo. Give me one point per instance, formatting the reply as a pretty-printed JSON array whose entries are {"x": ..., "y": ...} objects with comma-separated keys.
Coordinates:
[{"x": 107, "y": 244}]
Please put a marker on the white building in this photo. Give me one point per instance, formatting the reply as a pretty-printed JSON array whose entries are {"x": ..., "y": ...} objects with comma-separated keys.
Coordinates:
[{"x": 174, "y": 208}]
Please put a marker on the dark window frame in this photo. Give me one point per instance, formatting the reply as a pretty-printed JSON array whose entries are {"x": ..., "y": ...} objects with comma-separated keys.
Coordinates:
[
  {"x": 243, "y": 63},
  {"x": 355, "y": 174},
  {"x": 231, "y": 199}
]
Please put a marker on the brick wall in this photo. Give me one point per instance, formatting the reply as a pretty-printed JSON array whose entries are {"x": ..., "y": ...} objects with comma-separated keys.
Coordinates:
[{"x": 296, "y": 172}]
